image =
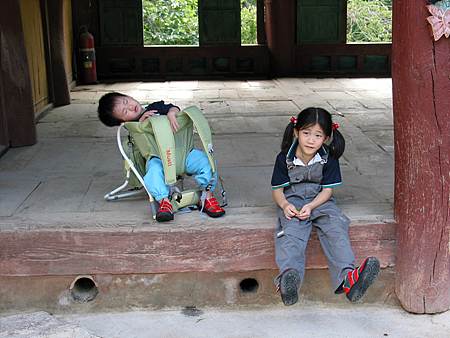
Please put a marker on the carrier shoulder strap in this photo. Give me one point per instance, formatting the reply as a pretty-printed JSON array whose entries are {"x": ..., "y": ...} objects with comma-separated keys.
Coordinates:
[
  {"x": 204, "y": 132},
  {"x": 166, "y": 144},
  {"x": 154, "y": 137}
]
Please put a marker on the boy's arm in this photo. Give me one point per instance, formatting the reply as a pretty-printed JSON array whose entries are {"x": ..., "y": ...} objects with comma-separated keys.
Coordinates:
[
  {"x": 170, "y": 110},
  {"x": 172, "y": 116},
  {"x": 161, "y": 107},
  {"x": 320, "y": 199}
]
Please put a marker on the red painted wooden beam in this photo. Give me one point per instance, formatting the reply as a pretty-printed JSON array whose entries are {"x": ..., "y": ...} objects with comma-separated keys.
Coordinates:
[
  {"x": 68, "y": 252},
  {"x": 421, "y": 84}
]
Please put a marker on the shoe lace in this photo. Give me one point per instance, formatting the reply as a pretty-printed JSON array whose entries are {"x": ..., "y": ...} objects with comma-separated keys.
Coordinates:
[
  {"x": 165, "y": 206},
  {"x": 213, "y": 204},
  {"x": 202, "y": 200}
]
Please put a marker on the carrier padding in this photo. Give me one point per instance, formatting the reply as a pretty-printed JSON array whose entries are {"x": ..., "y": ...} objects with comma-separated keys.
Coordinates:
[
  {"x": 154, "y": 137},
  {"x": 204, "y": 132},
  {"x": 166, "y": 147}
]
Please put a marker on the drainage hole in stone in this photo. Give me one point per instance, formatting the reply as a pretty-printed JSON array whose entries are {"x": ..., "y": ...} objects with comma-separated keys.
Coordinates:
[
  {"x": 249, "y": 285},
  {"x": 191, "y": 311},
  {"x": 83, "y": 289}
]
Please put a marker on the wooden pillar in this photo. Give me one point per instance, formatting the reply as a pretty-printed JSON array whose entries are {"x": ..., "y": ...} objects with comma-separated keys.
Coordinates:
[
  {"x": 280, "y": 33},
  {"x": 61, "y": 94},
  {"x": 4, "y": 135},
  {"x": 17, "y": 97},
  {"x": 421, "y": 93}
]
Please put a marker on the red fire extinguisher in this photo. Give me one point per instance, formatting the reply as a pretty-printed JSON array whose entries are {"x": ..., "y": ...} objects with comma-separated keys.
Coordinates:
[{"x": 88, "y": 71}]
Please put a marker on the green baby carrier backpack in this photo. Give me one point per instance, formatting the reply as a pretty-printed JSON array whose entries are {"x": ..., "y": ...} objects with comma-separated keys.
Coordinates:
[{"x": 155, "y": 138}]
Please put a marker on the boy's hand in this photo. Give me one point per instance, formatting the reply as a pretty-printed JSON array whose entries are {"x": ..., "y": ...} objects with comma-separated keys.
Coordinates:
[
  {"x": 172, "y": 116},
  {"x": 305, "y": 212},
  {"x": 147, "y": 114},
  {"x": 290, "y": 211}
]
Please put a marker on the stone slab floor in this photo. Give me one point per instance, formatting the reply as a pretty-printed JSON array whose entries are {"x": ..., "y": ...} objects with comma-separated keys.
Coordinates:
[{"x": 60, "y": 181}]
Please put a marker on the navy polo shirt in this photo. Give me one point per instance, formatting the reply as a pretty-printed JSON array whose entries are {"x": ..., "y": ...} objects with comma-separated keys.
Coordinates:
[
  {"x": 160, "y": 106},
  {"x": 331, "y": 172}
]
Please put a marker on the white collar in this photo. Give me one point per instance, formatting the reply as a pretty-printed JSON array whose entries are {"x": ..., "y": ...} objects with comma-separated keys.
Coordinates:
[{"x": 315, "y": 159}]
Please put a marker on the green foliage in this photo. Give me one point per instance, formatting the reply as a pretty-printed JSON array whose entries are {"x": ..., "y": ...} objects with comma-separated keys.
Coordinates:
[
  {"x": 175, "y": 22},
  {"x": 168, "y": 22},
  {"x": 248, "y": 22},
  {"x": 369, "y": 21}
]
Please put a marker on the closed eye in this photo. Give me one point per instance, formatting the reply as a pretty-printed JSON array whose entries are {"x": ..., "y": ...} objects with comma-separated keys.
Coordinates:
[{"x": 125, "y": 108}]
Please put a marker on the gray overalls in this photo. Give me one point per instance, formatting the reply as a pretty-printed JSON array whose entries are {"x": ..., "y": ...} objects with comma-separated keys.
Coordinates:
[{"x": 291, "y": 236}]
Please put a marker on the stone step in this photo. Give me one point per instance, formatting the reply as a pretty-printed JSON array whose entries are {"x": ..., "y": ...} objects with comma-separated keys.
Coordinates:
[
  {"x": 174, "y": 290},
  {"x": 238, "y": 242},
  {"x": 40, "y": 325},
  {"x": 126, "y": 261}
]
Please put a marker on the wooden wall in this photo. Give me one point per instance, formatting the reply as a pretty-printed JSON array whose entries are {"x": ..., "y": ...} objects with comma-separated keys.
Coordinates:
[
  {"x": 287, "y": 52},
  {"x": 34, "y": 45},
  {"x": 17, "y": 123}
]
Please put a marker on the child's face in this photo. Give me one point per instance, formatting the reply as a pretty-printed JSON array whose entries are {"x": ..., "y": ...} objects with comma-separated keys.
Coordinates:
[
  {"x": 127, "y": 109},
  {"x": 310, "y": 139}
]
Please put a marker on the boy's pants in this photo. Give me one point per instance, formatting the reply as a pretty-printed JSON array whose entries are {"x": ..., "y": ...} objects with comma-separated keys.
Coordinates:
[{"x": 197, "y": 164}]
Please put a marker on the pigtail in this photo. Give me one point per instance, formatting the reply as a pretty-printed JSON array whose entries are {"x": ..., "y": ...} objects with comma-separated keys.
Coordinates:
[
  {"x": 337, "y": 145},
  {"x": 288, "y": 138}
]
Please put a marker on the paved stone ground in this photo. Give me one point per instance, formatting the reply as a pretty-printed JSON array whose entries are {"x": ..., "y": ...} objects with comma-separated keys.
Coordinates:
[
  {"x": 60, "y": 181},
  {"x": 40, "y": 325},
  {"x": 301, "y": 320}
]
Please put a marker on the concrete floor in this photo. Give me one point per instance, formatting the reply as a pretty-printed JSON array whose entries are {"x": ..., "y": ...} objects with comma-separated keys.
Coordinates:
[
  {"x": 60, "y": 181},
  {"x": 301, "y": 320}
]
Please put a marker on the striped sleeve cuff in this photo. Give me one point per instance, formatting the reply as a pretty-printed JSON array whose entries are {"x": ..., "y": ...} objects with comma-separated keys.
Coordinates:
[
  {"x": 275, "y": 187},
  {"x": 331, "y": 185}
]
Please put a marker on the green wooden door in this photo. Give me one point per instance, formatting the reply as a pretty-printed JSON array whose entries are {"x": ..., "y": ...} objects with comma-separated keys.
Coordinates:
[
  {"x": 321, "y": 21},
  {"x": 120, "y": 22},
  {"x": 219, "y": 22}
]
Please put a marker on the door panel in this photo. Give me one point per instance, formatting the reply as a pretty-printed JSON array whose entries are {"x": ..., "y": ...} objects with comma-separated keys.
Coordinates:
[
  {"x": 219, "y": 22},
  {"x": 121, "y": 22},
  {"x": 321, "y": 21}
]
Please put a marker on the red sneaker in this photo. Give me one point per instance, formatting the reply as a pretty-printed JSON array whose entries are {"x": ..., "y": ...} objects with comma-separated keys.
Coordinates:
[
  {"x": 358, "y": 280},
  {"x": 164, "y": 212},
  {"x": 212, "y": 208}
]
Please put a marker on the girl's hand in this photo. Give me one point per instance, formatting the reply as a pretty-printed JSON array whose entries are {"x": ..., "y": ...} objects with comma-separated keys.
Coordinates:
[
  {"x": 172, "y": 116},
  {"x": 147, "y": 114},
  {"x": 290, "y": 211},
  {"x": 305, "y": 212}
]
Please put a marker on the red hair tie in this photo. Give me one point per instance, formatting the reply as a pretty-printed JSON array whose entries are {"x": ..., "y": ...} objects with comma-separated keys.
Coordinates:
[
  {"x": 334, "y": 126},
  {"x": 293, "y": 120}
]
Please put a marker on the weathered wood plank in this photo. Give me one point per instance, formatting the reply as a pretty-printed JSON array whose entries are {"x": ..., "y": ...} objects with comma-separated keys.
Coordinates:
[
  {"x": 421, "y": 72},
  {"x": 46, "y": 252},
  {"x": 16, "y": 84}
]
